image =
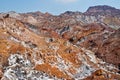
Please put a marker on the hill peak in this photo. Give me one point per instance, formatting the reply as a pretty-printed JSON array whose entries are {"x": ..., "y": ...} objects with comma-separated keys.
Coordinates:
[{"x": 102, "y": 10}]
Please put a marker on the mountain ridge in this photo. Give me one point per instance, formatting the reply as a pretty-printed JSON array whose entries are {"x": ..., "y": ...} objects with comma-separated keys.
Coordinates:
[{"x": 72, "y": 45}]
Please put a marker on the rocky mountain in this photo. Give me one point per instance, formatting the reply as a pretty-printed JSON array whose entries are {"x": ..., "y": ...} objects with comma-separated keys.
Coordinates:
[
  {"x": 70, "y": 46},
  {"x": 103, "y": 10}
]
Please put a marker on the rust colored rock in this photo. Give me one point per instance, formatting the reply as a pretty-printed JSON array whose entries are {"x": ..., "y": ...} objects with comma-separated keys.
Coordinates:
[{"x": 72, "y": 45}]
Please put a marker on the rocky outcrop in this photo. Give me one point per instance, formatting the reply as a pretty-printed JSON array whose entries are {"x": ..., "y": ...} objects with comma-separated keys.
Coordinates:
[
  {"x": 70, "y": 46},
  {"x": 103, "y": 10}
]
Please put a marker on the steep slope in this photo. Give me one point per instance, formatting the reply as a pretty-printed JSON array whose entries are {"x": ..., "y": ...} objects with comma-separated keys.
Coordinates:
[
  {"x": 110, "y": 15},
  {"x": 87, "y": 30},
  {"x": 26, "y": 55},
  {"x": 103, "y": 10},
  {"x": 73, "y": 45}
]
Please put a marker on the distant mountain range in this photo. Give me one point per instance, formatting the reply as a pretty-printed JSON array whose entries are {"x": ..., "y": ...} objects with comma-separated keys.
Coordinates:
[{"x": 69, "y": 46}]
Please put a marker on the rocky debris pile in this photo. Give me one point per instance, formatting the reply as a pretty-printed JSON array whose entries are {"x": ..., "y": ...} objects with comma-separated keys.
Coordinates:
[{"x": 20, "y": 68}]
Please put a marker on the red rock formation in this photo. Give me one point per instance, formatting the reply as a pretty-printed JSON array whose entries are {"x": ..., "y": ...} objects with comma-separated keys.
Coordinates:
[{"x": 70, "y": 46}]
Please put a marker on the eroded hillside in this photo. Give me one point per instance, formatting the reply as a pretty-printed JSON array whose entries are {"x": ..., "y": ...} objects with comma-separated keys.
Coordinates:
[{"x": 73, "y": 45}]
